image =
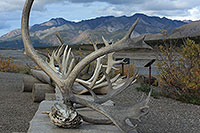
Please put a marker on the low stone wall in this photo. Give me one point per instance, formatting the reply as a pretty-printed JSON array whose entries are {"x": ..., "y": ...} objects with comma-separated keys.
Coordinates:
[{"x": 41, "y": 122}]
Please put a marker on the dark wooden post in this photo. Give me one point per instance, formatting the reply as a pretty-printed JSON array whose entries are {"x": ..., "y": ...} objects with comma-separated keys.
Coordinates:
[
  {"x": 149, "y": 76},
  {"x": 122, "y": 69},
  {"x": 149, "y": 65}
]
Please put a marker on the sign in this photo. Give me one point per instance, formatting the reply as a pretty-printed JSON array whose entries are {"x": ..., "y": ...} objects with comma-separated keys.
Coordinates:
[{"x": 126, "y": 60}]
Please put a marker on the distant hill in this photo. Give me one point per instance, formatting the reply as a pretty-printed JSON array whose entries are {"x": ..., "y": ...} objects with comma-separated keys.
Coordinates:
[
  {"x": 112, "y": 28},
  {"x": 188, "y": 30}
]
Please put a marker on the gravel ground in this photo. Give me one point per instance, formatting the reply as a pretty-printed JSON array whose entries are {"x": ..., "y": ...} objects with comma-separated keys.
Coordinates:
[
  {"x": 16, "y": 107},
  {"x": 165, "y": 115}
]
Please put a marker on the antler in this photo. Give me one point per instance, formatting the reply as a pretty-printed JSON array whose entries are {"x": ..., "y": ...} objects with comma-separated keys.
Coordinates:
[
  {"x": 93, "y": 83},
  {"x": 117, "y": 114},
  {"x": 111, "y": 92}
]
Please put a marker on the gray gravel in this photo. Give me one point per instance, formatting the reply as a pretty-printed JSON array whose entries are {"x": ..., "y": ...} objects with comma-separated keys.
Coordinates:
[
  {"x": 16, "y": 108},
  {"x": 165, "y": 115}
]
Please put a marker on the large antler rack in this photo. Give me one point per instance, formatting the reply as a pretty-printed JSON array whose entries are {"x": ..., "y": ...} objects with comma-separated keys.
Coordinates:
[
  {"x": 66, "y": 78},
  {"x": 93, "y": 82}
]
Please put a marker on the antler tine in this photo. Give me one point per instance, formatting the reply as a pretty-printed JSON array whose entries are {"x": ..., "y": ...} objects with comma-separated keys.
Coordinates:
[
  {"x": 92, "y": 81},
  {"x": 110, "y": 88},
  {"x": 96, "y": 86},
  {"x": 51, "y": 62},
  {"x": 57, "y": 54},
  {"x": 110, "y": 62},
  {"x": 106, "y": 83},
  {"x": 128, "y": 35},
  {"x": 72, "y": 63},
  {"x": 98, "y": 62},
  {"x": 65, "y": 59},
  {"x": 96, "y": 121},
  {"x": 146, "y": 101},
  {"x": 96, "y": 77}
]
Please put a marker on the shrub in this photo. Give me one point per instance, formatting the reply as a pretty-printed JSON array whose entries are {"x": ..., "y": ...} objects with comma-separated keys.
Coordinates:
[
  {"x": 128, "y": 70},
  {"x": 144, "y": 88},
  {"x": 7, "y": 65},
  {"x": 180, "y": 72}
]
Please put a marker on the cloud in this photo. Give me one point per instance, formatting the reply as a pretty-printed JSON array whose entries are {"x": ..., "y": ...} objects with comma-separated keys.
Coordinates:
[
  {"x": 189, "y": 14},
  {"x": 10, "y": 5},
  {"x": 4, "y": 25},
  {"x": 137, "y": 5},
  {"x": 107, "y": 1},
  {"x": 195, "y": 12},
  {"x": 13, "y": 5}
]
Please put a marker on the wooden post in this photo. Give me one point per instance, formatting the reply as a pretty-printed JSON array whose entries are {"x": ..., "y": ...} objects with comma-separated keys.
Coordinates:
[
  {"x": 149, "y": 65},
  {"x": 122, "y": 69},
  {"x": 149, "y": 76}
]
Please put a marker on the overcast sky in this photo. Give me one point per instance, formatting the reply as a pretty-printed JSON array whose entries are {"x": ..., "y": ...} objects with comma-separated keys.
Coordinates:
[{"x": 76, "y": 10}]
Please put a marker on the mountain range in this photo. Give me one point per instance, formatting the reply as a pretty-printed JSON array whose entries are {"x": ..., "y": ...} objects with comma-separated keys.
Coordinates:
[{"x": 112, "y": 28}]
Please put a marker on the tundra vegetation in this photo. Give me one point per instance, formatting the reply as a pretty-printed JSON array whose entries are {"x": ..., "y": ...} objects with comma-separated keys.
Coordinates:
[
  {"x": 8, "y": 65},
  {"x": 179, "y": 71}
]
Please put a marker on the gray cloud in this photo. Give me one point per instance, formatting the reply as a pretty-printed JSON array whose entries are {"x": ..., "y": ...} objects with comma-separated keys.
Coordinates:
[
  {"x": 148, "y": 4},
  {"x": 107, "y": 1},
  {"x": 10, "y": 5}
]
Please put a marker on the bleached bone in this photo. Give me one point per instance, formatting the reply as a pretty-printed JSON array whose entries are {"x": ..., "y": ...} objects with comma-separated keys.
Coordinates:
[
  {"x": 93, "y": 82},
  {"x": 65, "y": 60},
  {"x": 97, "y": 86},
  {"x": 51, "y": 61},
  {"x": 117, "y": 114},
  {"x": 109, "y": 66},
  {"x": 57, "y": 53},
  {"x": 98, "y": 63},
  {"x": 111, "y": 92},
  {"x": 71, "y": 65},
  {"x": 110, "y": 63}
]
